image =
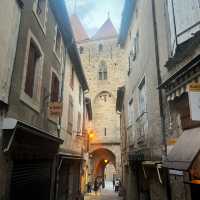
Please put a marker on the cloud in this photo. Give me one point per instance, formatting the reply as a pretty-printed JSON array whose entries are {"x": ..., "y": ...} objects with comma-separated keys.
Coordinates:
[{"x": 93, "y": 13}]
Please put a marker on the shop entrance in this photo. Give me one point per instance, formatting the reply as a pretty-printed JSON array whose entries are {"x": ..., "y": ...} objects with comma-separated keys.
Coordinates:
[{"x": 31, "y": 180}]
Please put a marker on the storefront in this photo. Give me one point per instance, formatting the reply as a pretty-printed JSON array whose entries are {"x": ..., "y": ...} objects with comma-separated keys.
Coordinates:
[
  {"x": 32, "y": 154},
  {"x": 182, "y": 127},
  {"x": 68, "y": 175},
  {"x": 183, "y": 163}
]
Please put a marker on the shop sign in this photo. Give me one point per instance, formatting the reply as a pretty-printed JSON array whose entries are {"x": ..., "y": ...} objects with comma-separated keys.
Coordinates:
[
  {"x": 55, "y": 108},
  {"x": 194, "y": 101},
  {"x": 175, "y": 172}
]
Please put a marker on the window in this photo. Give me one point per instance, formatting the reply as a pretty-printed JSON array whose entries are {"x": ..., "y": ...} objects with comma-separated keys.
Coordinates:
[
  {"x": 135, "y": 49},
  {"x": 105, "y": 132},
  {"x": 40, "y": 10},
  {"x": 70, "y": 115},
  {"x": 72, "y": 78},
  {"x": 81, "y": 49},
  {"x": 142, "y": 97},
  {"x": 32, "y": 74},
  {"x": 79, "y": 123},
  {"x": 100, "y": 48},
  {"x": 33, "y": 58},
  {"x": 102, "y": 71},
  {"x": 58, "y": 42},
  {"x": 54, "y": 88},
  {"x": 130, "y": 112},
  {"x": 80, "y": 94}
]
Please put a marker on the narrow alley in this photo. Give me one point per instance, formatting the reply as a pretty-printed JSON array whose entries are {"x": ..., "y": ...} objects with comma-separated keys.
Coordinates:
[
  {"x": 107, "y": 193},
  {"x": 100, "y": 99}
]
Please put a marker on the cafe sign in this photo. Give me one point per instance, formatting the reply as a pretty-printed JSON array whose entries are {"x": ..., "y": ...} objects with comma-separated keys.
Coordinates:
[
  {"x": 194, "y": 101},
  {"x": 55, "y": 108}
]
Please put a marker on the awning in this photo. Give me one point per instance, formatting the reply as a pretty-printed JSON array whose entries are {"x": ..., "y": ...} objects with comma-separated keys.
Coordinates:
[
  {"x": 185, "y": 150},
  {"x": 70, "y": 156},
  {"x": 22, "y": 135},
  {"x": 178, "y": 83}
]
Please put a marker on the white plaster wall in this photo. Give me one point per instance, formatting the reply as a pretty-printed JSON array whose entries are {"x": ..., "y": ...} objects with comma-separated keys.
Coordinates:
[{"x": 9, "y": 26}]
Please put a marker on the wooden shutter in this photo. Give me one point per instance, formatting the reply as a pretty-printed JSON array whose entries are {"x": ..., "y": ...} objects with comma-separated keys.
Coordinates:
[
  {"x": 70, "y": 115},
  {"x": 54, "y": 88},
  {"x": 30, "y": 74},
  {"x": 79, "y": 124}
]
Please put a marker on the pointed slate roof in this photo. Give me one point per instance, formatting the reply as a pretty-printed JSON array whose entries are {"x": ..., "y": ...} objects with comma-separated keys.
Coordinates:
[
  {"x": 107, "y": 30},
  {"x": 79, "y": 32}
]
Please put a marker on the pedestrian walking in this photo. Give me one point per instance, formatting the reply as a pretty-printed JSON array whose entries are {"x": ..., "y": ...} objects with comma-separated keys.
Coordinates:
[
  {"x": 117, "y": 184},
  {"x": 89, "y": 187},
  {"x": 96, "y": 186},
  {"x": 113, "y": 184}
]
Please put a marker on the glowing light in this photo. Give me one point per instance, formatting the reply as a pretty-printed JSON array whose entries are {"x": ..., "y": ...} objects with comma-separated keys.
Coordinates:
[
  {"x": 106, "y": 161},
  {"x": 91, "y": 135}
]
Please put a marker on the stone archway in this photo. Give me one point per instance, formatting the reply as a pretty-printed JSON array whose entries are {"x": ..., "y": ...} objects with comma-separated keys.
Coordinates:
[{"x": 100, "y": 158}]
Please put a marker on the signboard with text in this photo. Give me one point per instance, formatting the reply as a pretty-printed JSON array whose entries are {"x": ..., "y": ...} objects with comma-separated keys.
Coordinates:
[
  {"x": 194, "y": 101},
  {"x": 55, "y": 108}
]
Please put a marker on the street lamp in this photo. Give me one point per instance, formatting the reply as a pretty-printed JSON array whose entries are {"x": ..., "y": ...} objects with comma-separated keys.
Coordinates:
[{"x": 105, "y": 161}]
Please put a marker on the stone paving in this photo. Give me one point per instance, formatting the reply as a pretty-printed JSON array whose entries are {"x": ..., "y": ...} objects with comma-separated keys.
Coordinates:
[{"x": 104, "y": 194}]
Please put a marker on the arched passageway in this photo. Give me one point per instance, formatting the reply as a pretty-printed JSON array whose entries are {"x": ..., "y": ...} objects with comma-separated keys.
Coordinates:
[{"x": 101, "y": 162}]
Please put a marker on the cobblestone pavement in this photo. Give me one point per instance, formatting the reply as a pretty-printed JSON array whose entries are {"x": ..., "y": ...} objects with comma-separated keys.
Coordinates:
[{"x": 105, "y": 194}]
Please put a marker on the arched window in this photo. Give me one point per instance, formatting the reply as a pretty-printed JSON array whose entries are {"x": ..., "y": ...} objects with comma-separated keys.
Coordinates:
[{"x": 102, "y": 71}]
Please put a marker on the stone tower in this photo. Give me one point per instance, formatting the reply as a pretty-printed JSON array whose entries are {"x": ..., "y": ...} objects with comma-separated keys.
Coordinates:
[{"x": 103, "y": 63}]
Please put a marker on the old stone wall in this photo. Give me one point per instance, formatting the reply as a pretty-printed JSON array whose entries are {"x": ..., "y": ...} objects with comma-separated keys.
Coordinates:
[{"x": 106, "y": 122}]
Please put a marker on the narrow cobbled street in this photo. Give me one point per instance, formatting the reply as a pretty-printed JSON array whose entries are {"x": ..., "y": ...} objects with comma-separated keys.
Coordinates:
[{"x": 105, "y": 194}]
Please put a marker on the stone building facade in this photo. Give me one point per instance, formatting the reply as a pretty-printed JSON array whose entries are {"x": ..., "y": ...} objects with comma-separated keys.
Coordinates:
[
  {"x": 33, "y": 163},
  {"x": 8, "y": 43},
  {"x": 103, "y": 64},
  {"x": 141, "y": 113},
  {"x": 161, "y": 39}
]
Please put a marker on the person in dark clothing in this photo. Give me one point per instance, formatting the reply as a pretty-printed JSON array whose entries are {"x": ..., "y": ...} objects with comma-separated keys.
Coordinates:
[
  {"x": 89, "y": 187},
  {"x": 96, "y": 186}
]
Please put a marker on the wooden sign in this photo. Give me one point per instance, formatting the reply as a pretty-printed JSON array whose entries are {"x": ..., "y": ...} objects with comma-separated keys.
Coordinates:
[
  {"x": 194, "y": 87},
  {"x": 55, "y": 108}
]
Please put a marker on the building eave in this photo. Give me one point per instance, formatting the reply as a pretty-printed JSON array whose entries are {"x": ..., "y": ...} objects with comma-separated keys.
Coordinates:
[
  {"x": 60, "y": 11},
  {"x": 127, "y": 15}
]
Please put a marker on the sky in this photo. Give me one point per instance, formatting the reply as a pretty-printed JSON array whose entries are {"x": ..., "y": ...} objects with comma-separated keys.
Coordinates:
[{"x": 93, "y": 13}]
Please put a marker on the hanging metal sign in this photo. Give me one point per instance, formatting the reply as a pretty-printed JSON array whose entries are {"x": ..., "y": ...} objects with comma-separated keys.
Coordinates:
[{"x": 55, "y": 108}]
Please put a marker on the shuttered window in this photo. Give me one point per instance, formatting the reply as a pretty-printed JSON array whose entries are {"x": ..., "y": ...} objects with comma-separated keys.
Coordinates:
[
  {"x": 58, "y": 43},
  {"x": 70, "y": 115},
  {"x": 79, "y": 124},
  {"x": 54, "y": 88},
  {"x": 33, "y": 58}
]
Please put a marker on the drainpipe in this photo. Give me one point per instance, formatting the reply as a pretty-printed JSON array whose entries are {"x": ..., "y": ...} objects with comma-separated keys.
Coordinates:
[{"x": 162, "y": 115}]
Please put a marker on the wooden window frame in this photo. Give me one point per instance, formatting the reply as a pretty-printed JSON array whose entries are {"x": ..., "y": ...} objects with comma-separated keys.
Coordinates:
[
  {"x": 34, "y": 101},
  {"x": 35, "y": 8}
]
